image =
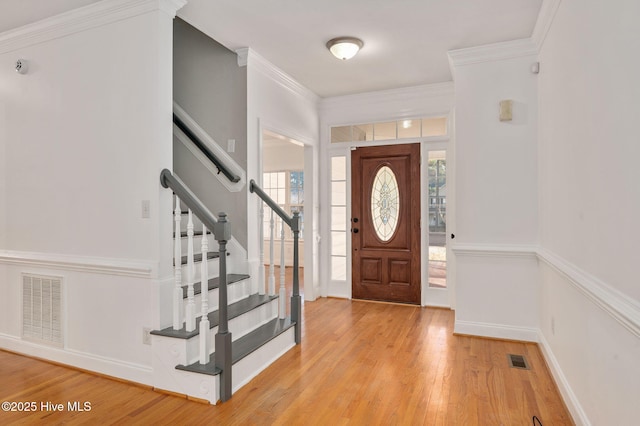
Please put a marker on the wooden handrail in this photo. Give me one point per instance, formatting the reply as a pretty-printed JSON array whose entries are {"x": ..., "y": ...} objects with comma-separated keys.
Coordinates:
[
  {"x": 205, "y": 150},
  {"x": 168, "y": 180},
  {"x": 253, "y": 187}
]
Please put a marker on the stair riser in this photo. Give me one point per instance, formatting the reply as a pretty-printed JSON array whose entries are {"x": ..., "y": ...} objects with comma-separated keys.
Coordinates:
[
  {"x": 254, "y": 363},
  {"x": 166, "y": 355},
  {"x": 238, "y": 327},
  {"x": 235, "y": 292}
]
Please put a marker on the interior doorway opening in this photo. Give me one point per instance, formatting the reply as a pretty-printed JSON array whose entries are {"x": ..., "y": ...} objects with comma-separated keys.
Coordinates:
[{"x": 283, "y": 179}]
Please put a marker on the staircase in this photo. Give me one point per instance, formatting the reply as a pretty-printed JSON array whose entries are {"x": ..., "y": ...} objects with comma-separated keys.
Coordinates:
[{"x": 227, "y": 326}]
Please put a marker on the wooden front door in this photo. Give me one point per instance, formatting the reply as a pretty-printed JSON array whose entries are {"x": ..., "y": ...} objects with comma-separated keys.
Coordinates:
[{"x": 385, "y": 223}]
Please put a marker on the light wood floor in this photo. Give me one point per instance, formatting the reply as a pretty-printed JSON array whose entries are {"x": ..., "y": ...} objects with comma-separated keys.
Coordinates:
[{"x": 359, "y": 363}]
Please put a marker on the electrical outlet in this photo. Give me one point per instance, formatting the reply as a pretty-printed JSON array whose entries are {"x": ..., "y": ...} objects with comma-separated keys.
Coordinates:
[
  {"x": 146, "y": 209},
  {"x": 231, "y": 145},
  {"x": 553, "y": 326},
  {"x": 146, "y": 336}
]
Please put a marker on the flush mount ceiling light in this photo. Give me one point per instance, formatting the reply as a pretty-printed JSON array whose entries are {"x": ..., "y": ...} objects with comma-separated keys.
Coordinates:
[{"x": 344, "y": 47}]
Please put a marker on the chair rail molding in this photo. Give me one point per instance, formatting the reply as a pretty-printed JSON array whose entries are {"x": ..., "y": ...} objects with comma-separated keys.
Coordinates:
[
  {"x": 623, "y": 308},
  {"x": 620, "y": 306},
  {"x": 494, "y": 250},
  {"x": 98, "y": 265}
]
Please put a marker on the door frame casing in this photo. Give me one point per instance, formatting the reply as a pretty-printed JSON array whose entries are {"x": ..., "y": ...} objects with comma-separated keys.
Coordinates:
[{"x": 429, "y": 297}]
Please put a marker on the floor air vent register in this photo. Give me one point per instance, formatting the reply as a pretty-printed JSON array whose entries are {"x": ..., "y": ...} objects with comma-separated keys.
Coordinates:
[
  {"x": 42, "y": 309},
  {"x": 518, "y": 361}
]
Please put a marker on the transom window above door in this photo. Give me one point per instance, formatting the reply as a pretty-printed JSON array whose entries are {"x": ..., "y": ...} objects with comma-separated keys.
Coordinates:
[{"x": 390, "y": 130}]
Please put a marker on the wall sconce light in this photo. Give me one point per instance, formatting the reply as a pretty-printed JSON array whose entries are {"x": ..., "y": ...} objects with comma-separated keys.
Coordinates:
[
  {"x": 22, "y": 66},
  {"x": 506, "y": 110},
  {"x": 344, "y": 47}
]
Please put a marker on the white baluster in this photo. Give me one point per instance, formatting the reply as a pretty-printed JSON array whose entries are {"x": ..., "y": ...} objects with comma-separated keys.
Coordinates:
[
  {"x": 177, "y": 261},
  {"x": 272, "y": 272},
  {"x": 261, "y": 283},
  {"x": 204, "y": 293},
  {"x": 190, "y": 315},
  {"x": 283, "y": 291}
]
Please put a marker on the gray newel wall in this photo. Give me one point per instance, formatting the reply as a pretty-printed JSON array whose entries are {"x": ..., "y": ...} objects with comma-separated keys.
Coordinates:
[{"x": 210, "y": 86}]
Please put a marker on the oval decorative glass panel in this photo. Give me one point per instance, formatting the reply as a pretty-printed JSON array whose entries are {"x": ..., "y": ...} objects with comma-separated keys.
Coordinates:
[{"x": 385, "y": 202}]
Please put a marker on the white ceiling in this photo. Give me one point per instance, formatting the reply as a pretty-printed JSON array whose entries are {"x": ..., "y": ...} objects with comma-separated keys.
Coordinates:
[{"x": 405, "y": 41}]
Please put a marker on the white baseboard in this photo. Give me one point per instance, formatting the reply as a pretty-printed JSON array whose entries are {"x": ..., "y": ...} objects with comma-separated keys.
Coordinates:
[
  {"x": 497, "y": 331},
  {"x": 107, "y": 366},
  {"x": 569, "y": 397}
]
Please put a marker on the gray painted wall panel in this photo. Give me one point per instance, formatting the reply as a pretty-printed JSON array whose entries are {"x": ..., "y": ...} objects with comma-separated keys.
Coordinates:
[{"x": 210, "y": 86}]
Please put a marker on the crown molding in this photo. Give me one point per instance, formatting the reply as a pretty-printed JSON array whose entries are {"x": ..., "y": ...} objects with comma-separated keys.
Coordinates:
[
  {"x": 543, "y": 23},
  {"x": 385, "y": 96},
  {"x": 243, "y": 56},
  {"x": 249, "y": 58},
  {"x": 82, "y": 19},
  {"x": 492, "y": 52}
]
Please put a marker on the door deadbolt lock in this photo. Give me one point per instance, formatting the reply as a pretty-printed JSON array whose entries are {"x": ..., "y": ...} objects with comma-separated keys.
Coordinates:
[{"x": 354, "y": 230}]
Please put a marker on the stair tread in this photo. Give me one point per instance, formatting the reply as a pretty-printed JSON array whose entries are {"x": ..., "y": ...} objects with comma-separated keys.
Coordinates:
[
  {"x": 243, "y": 346},
  {"x": 197, "y": 257},
  {"x": 234, "y": 310},
  {"x": 214, "y": 283}
]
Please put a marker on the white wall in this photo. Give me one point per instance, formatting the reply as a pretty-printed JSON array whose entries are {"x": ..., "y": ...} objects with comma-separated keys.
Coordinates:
[
  {"x": 590, "y": 204},
  {"x": 85, "y": 135},
  {"x": 496, "y": 197},
  {"x": 589, "y": 140},
  {"x": 281, "y": 156},
  {"x": 496, "y": 161}
]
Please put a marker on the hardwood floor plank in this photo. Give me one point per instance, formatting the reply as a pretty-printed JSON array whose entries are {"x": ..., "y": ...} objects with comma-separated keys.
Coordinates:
[{"x": 359, "y": 363}]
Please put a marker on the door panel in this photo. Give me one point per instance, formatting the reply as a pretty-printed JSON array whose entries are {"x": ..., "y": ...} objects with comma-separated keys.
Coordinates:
[{"x": 386, "y": 226}]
